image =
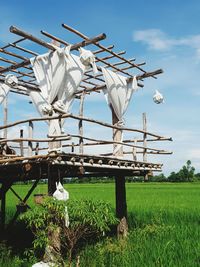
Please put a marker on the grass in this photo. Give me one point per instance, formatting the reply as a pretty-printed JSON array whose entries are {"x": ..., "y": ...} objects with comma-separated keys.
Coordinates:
[{"x": 164, "y": 221}]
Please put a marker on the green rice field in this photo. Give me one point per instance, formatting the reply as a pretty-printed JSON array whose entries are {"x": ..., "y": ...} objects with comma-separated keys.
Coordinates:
[{"x": 164, "y": 225}]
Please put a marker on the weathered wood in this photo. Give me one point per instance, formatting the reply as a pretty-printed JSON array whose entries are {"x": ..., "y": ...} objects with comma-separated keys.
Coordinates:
[
  {"x": 120, "y": 187},
  {"x": 5, "y": 119},
  {"x": 81, "y": 124},
  {"x": 28, "y": 36},
  {"x": 30, "y": 134},
  {"x": 135, "y": 150},
  {"x": 37, "y": 149},
  {"x": 78, "y": 118},
  {"x": 3, "y": 208},
  {"x": 21, "y": 142},
  {"x": 144, "y": 118}
]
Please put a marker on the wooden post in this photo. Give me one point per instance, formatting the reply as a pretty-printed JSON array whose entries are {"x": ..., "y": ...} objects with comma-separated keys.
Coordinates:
[
  {"x": 80, "y": 125},
  {"x": 120, "y": 187},
  {"x": 21, "y": 143},
  {"x": 30, "y": 135},
  {"x": 5, "y": 117},
  {"x": 135, "y": 150},
  {"x": 144, "y": 118},
  {"x": 37, "y": 148},
  {"x": 144, "y": 136},
  {"x": 3, "y": 207}
]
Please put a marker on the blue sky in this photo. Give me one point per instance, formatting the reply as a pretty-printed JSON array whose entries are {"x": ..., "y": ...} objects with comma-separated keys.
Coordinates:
[{"x": 165, "y": 34}]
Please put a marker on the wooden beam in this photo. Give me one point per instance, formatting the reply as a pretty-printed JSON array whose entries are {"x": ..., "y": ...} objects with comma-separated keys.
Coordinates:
[
  {"x": 28, "y": 36},
  {"x": 78, "y": 118}
]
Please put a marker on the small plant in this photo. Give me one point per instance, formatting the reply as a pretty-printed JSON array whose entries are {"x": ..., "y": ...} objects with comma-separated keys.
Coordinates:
[{"x": 87, "y": 219}]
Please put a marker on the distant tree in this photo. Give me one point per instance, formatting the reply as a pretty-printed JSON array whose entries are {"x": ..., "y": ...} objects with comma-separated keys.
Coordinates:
[
  {"x": 173, "y": 177},
  {"x": 185, "y": 174},
  {"x": 187, "y": 171}
]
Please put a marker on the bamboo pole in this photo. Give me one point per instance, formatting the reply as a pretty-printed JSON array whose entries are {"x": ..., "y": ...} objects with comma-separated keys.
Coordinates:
[
  {"x": 5, "y": 117},
  {"x": 144, "y": 118},
  {"x": 78, "y": 118},
  {"x": 134, "y": 152},
  {"x": 81, "y": 123},
  {"x": 28, "y": 36},
  {"x": 21, "y": 142},
  {"x": 102, "y": 47},
  {"x": 30, "y": 134}
]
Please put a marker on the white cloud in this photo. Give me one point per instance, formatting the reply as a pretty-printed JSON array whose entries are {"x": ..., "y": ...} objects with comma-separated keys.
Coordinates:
[{"x": 159, "y": 40}]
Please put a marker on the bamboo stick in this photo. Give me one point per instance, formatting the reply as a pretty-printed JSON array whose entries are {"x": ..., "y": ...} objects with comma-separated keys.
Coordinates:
[
  {"x": 78, "y": 118},
  {"x": 17, "y": 31},
  {"x": 102, "y": 47},
  {"x": 144, "y": 118},
  {"x": 30, "y": 134},
  {"x": 21, "y": 142},
  {"x": 81, "y": 124}
]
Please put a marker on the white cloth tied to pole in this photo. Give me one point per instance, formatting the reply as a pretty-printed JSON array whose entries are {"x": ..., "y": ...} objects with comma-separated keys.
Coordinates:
[
  {"x": 118, "y": 92},
  {"x": 59, "y": 75},
  {"x": 158, "y": 97},
  {"x": 88, "y": 59},
  {"x": 4, "y": 89},
  {"x": 62, "y": 194},
  {"x": 10, "y": 81}
]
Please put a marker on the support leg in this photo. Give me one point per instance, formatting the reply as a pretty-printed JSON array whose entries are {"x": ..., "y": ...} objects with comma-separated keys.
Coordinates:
[{"x": 121, "y": 206}]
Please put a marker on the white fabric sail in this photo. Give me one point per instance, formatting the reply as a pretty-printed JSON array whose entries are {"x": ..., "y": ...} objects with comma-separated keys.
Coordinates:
[
  {"x": 59, "y": 75},
  {"x": 118, "y": 92},
  {"x": 4, "y": 89}
]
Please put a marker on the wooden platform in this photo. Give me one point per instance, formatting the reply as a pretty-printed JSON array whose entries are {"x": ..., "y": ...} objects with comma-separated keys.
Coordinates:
[{"x": 71, "y": 165}]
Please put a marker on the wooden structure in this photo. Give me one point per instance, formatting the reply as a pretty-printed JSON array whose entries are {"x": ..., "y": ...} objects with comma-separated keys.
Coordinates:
[{"x": 33, "y": 160}]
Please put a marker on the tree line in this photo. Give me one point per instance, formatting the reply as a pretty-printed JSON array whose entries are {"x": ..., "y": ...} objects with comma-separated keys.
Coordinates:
[{"x": 185, "y": 174}]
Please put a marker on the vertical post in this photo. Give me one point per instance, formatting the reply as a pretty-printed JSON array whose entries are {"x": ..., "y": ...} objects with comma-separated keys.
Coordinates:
[
  {"x": 80, "y": 125},
  {"x": 5, "y": 117},
  {"x": 30, "y": 135},
  {"x": 5, "y": 121},
  {"x": 144, "y": 118},
  {"x": 37, "y": 148},
  {"x": 3, "y": 207},
  {"x": 21, "y": 143},
  {"x": 135, "y": 150},
  {"x": 120, "y": 187},
  {"x": 53, "y": 177},
  {"x": 72, "y": 147}
]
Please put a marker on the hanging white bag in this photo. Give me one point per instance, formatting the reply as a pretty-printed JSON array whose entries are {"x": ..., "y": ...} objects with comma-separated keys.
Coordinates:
[
  {"x": 158, "y": 97},
  {"x": 60, "y": 193}
]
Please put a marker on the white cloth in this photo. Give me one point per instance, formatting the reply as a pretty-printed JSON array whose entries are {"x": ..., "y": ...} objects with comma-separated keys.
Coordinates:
[
  {"x": 158, "y": 97},
  {"x": 45, "y": 109},
  {"x": 11, "y": 80},
  {"x": 88, "y": 59},
  {"x": 118, "y": 92},
  {"x": 4, "y": 89},
  {"x": 59, "y": 75}
]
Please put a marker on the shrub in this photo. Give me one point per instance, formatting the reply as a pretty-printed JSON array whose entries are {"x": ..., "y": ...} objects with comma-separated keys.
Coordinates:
[{"x": 87, "y": 219}]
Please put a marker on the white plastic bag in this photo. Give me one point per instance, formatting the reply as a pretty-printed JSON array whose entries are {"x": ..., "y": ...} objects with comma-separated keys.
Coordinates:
[
  {"x": 158, "y": 97},
  {"x": 60, "y": 193},
  {"x": 43, "y": 264}
]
